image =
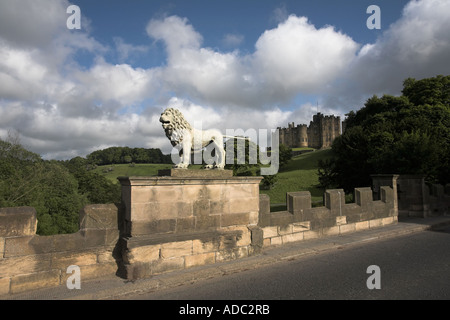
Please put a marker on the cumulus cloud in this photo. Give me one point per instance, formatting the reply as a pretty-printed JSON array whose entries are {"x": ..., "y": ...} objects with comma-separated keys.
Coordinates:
[
  {"x": 126, "y": 51},
  {"x": 293, "y": 58},
  {"x": 231, "y": 40},
  {"x": 417, "y": 45},
  {"x": 63, "y": 109},
  {"x": 32, "y": 23},
  {"x": 297, "y": 58},
  {"x": 176, "y": 32},
  {"x": 59, "y": 107}
]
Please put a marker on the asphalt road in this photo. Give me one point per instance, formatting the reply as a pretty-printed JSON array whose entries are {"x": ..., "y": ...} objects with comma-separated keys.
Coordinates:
[{"x": 414, "y": 266}]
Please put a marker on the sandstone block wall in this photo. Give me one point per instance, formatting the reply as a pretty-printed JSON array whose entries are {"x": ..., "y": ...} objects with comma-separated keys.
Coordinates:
[
  {"x": 151, "y": 255},
  {"x": 179, "y": 221},
  {"x": 175, "y": 221},
  {"x": 415, "y": 197},
  {"x": 185, "y": 204},
  {"x": 302, "y": 222},
  {"x": 29, "y": 261}
]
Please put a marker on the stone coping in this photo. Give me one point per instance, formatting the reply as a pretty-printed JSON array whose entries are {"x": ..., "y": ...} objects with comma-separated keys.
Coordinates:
[
  {"x": 187, "y": 180},
  {"x": 144, "y": 240},
  {"x": 205, "y": 174}
]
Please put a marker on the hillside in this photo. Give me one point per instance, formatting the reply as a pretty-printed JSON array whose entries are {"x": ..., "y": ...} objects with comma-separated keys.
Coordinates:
[
  {"x": 300, "y": 174},
  {"x": 126, "y": 170}
]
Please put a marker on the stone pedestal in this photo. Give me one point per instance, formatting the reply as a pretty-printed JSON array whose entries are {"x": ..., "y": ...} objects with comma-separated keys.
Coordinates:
[
  {"x": 188, "y": 200},
  {"x": 180, "y": 208}
]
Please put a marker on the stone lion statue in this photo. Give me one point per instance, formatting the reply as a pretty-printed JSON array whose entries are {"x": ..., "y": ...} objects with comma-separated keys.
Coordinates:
[{"x": 185, "y": 138}]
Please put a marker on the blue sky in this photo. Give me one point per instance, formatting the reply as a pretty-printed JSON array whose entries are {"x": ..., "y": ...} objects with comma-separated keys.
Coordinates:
[
  {"x": 214, "y": 20},
  {"x": 225, "y": 64}
]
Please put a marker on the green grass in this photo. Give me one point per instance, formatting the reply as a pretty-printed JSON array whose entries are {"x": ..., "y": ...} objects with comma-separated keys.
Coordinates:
[
  {"x": 300, "y": 174},
  {"x": 126, "y": 170},
  {"x": 302, "y": 149}
]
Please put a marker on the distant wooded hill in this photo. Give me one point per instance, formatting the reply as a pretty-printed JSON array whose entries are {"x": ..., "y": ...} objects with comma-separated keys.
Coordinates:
[{"x": 123, "y": 155}]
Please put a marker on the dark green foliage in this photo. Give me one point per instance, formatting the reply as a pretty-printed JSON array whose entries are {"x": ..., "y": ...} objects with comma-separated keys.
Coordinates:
[
  {"x": 60, "y": 201},
  {"x": 409, "y": 134},
  {"x": 326, "y": 174},
  {"x": 27, "y": 180},
  {"x": 94, "y": 186},
  {"x": 268, "y": 181},
  {"x": 243, "y": 150},
  {"x": 116, "y": 155},
  {"x": 57, "y": 190},
  {"x": 248, "y": 150},
  {"x": 285, "y": 155},
  {"x": 430, "y": 91}
]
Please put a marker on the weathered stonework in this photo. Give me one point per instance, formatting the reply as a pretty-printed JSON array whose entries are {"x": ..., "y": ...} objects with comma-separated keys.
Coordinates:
[
  {"x": 177, "y": 204},
  {"x": 302, "y": 222},
  {"x": 29, "y": 261},
  {"x": 183, "y": 218},
  {"x": 17, "y": 221},
  {"x": 320, "y": 133},
  {"x": 176, "y": 221},
  {"x": 415, "y": 198}
]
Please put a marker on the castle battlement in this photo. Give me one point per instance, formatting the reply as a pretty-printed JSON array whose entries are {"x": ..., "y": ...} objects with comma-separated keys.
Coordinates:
[{"x": 320, "y": 133}]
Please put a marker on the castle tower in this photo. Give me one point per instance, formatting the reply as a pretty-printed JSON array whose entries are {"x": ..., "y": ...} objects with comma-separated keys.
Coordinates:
[
  {"x": 303, "y": 135},
  {"x": 320, "y": 133}
]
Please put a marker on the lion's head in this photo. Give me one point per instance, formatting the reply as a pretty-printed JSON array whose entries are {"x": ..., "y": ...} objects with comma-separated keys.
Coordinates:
[{"x": 174, "y": 123}]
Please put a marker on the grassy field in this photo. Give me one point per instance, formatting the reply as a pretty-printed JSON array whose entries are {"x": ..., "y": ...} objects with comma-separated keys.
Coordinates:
[
  {"x": 300, "y": 174},
  {"x": 302, "y": 149},
  {"x": 125, "y": 170}
]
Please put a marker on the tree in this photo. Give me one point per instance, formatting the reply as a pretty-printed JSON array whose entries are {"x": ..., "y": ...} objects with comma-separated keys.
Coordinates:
[
  {"x": 95, "y": 187},
  {"x": 249, "y": 151},
  {"x": 27, "y": 180},
  {"x": 244, "y": 151},
  {"x": 60, "y": 199},
  {"x": 405, "y": 134},
  {"x": 284, "y": 154},
  {"x": 431, "y": 91},
  {"x": 124, "y": 155}
]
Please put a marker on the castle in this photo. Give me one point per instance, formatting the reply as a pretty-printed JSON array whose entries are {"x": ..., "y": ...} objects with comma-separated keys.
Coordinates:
[{"x": 321, "y": 132}]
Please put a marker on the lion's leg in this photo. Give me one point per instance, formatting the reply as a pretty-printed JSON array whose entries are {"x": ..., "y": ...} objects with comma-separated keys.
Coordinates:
[
  {"x": 185, "y": 156},
  {"x": 186, "y": 153},
  {"x": 220, "y": 156},
  {"x": 206, "y": 155},
  {"x": 180, "y": 154}
]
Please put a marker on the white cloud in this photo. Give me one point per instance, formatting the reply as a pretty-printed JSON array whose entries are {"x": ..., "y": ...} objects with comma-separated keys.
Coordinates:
[
  {"x": 293, "y": 58},
  {"x": 125, "y": 50},
  {"x": 297, "y": 58},
  {"x": 231, "y": 40},
  {"x": 120, "y": 83},
  {"x": 417, "y": 45},
  {"x": 280, "y": 14},
  {"x": 175, "y": 32},
  {"x": 63, "y": 109},
  {"x": 32, "y": 23}
]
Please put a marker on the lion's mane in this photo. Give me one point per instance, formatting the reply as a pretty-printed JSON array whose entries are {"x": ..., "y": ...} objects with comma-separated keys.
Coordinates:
[{"x": 178, "y": 123}]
